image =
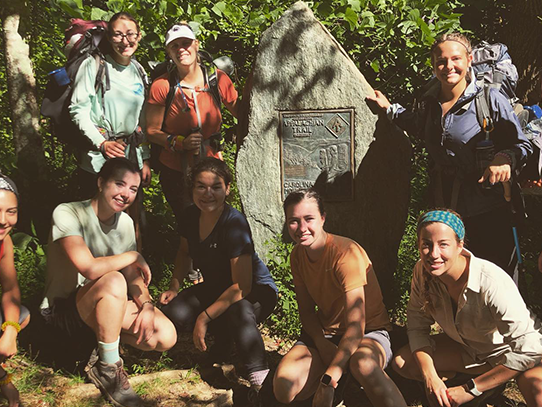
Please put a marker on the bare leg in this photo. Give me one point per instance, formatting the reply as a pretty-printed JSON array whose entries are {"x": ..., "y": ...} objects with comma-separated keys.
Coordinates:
[
  {"x": 366, "y": 365},
  {"x": 447, "y": 359},
  {"x": 530, "y": 385},
  {"x": 102, "y": 305},
  {"x": 164, "y": 336},
  {"x": 297, "y": 374}
]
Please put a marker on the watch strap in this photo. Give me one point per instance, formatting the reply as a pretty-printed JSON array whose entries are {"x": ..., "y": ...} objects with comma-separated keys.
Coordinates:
[{"x": 471, "y": 387}]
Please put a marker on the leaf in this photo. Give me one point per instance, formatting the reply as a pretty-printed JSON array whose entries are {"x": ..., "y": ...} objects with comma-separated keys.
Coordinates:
[
  {"x": 114, "y": 5},
  {"x": 325, "y": 9},
  {"x": 97, "y": 13},
  {"x": 74, "y": 8},
  {"x": 21, "y": 240},
  {"x": 196, "y": 27},
  {"x": 375, "y": 65},
  {"x": 255, "y": 19},
  {"x": 355, "y": 5},
  {"x": 352, "y": 17},
  {"x": 219, "y": 8}
]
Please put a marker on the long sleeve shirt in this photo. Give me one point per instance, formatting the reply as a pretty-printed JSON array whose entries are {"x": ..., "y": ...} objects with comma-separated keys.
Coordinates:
[
  {"x": 451, "y": 142},
  {"x": 121, "y": 110},
  {"x": 491, "y": 323}
]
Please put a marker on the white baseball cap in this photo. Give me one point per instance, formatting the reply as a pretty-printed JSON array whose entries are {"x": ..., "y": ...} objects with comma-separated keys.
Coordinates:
[{"x": 179, "y": 31}]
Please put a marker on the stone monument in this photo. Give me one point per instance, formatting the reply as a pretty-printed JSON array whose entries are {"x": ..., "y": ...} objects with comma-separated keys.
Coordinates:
[{"x": 305, "y": 120}]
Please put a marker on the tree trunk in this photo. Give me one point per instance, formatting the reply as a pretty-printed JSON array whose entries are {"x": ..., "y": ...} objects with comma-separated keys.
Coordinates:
[{"x": 32, "y": 169}]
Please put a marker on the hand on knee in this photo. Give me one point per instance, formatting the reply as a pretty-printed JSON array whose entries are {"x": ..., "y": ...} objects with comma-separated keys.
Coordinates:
[{"x": 364, "y": 365}]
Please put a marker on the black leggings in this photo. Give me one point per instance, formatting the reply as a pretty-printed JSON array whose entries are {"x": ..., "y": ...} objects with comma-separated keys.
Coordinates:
[{"x": 237, "y": 324}]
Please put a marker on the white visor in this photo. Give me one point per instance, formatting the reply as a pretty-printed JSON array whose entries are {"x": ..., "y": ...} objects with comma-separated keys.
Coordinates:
[{"x": 179, "y": 31}]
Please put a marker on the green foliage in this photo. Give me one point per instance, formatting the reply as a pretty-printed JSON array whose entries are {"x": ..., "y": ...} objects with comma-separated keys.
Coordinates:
[
  {"x": 284, "y": 322},
  {"x": 30, "y": 263},
  {"x": 408, "y": 248},
  {"x": 229, "y": 153}
]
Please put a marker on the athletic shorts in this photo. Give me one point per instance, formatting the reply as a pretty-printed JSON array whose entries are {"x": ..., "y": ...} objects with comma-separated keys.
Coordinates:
[
  {"x": 63, "y": 315},
  {"x": 379, "y": 335},
  {"x": 24, "y": 313}
]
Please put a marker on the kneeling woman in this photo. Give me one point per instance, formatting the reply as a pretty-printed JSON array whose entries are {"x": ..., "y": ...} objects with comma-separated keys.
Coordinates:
[
  {"x": 97, "y": 281},
  {"x": 350, "y": 329},
  {"x": 237, "y": 290},
  {"x": 488, "y": 331},
  {"x": 14, "y": 316}
]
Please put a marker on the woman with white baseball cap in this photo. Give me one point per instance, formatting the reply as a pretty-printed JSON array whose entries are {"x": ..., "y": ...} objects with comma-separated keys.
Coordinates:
[{"x": 188, "y": 125}]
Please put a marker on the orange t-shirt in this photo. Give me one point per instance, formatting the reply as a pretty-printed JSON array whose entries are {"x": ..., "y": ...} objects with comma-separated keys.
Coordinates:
[
  {"x": 181, "y": 122},
  {"x": 344, "y": 266}
]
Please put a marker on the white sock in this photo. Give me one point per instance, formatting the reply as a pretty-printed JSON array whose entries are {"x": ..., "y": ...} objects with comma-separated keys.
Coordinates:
[
  {"x": 257, "y": 378},
  {"x": 109, "y": 352}
]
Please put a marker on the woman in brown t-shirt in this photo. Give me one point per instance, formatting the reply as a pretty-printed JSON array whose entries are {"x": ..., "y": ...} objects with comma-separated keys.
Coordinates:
[{"x": 350, "y": 329}]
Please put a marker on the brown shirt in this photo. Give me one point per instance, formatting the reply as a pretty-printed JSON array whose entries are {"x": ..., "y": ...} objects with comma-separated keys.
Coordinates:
[{"x": 344, "y": 266}]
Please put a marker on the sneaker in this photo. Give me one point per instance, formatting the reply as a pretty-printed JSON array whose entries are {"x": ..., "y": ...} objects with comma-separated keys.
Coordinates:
[
  {"x": 253, "y": 397},
  {"x": 112, "y": 381}
]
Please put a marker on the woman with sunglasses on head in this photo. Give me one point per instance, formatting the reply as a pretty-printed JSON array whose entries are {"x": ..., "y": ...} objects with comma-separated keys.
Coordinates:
[
  {"x": 14, "y": 316},
  {"x": 467, "y": 172},
  {"x": 488, "y": 332},
  {"x": 110, "y": 119},
  {"x": 190, "y": 126}
]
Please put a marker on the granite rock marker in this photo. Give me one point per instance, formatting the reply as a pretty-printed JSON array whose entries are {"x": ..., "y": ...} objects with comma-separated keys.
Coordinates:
[{"x": 305, "y": 120}]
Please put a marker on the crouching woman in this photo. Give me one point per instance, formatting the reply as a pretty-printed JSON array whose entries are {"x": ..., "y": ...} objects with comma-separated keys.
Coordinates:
[
  {"x": 14, "y": 316},
  {"x": 488, "y": 331},
  {"x": 237, "y": 291},
  {"x": 96, "y": 279},
  {"x": 350, "y": 329}
]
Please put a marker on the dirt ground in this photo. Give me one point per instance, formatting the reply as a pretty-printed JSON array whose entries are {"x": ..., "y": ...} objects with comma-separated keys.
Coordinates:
[{"x": 199, "y": 384}]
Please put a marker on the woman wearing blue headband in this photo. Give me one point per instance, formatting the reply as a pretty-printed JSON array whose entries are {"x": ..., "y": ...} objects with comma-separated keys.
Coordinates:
[
  {"x": 14, "y": 316},
  {"x": 488, "y": 332}
]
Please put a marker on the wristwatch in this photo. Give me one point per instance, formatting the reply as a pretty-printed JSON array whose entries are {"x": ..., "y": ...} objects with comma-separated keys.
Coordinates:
[
  {"x": 327, "y": 380},
  {"x": 471, "y": 388}
]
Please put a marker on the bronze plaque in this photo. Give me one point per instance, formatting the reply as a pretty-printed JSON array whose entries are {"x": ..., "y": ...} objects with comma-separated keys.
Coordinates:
[{"x": 317, "y": 147}]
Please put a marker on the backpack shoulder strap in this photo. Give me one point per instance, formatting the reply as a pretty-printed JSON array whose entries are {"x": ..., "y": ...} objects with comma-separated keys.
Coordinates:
[
  {"x": 102, "y": 72},
  {"x": 172, "y": 80},
  {"x": 212, "y": 81},
  {"x": 142, "y": 73},
  {"x": 483, "y": 110}
]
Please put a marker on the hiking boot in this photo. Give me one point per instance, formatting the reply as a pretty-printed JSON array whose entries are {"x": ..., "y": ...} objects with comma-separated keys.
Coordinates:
[
  {"x": 92, "y": 360},
  {"x": 112, "y": 381}
]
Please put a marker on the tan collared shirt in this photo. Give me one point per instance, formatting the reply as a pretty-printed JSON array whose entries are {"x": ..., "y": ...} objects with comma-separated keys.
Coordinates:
[{"x": 492, "y": 322}]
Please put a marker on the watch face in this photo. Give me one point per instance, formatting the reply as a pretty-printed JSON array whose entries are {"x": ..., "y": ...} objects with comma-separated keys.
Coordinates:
[
  {"x": 326, "y": 379},
  {"x": 470, "y": 384}
]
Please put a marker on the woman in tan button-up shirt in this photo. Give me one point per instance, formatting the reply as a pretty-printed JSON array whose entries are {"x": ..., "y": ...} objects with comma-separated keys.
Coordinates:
[{"x": 488, "y": 330}]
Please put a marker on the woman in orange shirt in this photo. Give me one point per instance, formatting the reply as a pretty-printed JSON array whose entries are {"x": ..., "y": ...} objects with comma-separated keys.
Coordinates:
[{"x": 350, "y": 329}]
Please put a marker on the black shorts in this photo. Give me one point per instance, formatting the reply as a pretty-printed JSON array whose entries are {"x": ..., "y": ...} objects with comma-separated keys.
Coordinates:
[{"x": 63, "y": 315}]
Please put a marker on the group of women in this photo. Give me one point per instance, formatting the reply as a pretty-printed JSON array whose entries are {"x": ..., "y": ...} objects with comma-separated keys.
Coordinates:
[{"x": 487, "y": 331}]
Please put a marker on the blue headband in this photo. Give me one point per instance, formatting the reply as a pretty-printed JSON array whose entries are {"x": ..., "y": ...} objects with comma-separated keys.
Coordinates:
[{"x": 448, "y": 218}]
